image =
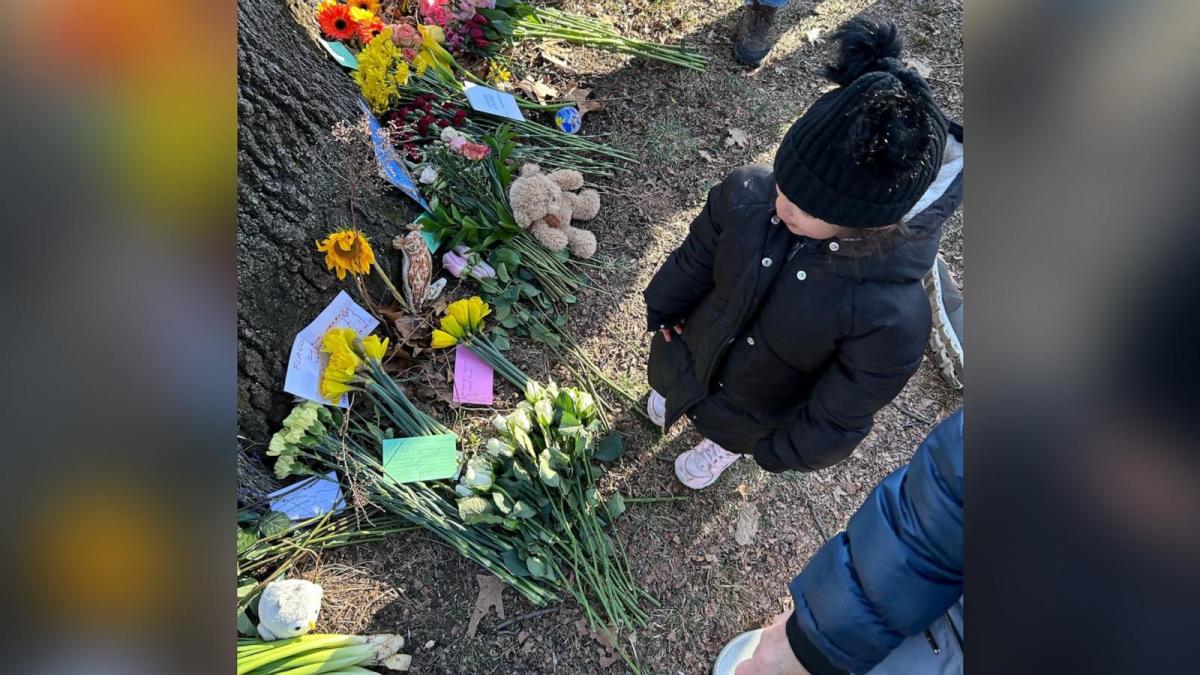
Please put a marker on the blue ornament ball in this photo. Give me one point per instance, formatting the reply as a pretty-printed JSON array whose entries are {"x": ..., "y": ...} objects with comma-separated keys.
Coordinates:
[{"x": 568, "y": 120}]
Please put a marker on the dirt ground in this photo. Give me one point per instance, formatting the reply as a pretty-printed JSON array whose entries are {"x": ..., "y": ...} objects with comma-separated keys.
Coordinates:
[{"x": 684, "y": 551}]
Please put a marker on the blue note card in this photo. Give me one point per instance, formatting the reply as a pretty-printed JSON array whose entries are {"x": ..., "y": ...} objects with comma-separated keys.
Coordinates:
[
  {"x": 389, "y": 165},
  {"x": 309, "y": 498}
]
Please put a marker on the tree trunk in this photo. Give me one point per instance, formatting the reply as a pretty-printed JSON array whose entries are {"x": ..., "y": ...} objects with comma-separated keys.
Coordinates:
[{"x": 291, "y": 192}]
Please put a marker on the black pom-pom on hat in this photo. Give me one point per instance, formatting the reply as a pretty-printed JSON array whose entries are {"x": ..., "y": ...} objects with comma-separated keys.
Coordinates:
[{"x": 864, "y": 153}]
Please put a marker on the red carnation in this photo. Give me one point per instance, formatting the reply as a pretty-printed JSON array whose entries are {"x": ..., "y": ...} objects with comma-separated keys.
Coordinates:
[
  {"x": 443, "y": 123},
  {"x": 476, "y": 32}
]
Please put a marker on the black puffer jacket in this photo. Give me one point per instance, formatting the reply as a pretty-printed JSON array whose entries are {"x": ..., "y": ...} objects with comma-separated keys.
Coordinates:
[{"x": 789, "y": 345}]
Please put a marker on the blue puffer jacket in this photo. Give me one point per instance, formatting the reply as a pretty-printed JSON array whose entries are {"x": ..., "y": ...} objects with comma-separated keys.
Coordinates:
[{"x": 896, "y": 568}]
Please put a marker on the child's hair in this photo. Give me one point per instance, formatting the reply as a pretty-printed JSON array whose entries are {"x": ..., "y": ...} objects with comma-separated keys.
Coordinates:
[
  {"x": 895, "y": 125},
  {"x": 866, "y": 242}
]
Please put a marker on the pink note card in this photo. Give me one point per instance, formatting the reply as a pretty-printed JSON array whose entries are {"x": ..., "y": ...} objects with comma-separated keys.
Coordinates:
[{"x": 473, "y": 378}]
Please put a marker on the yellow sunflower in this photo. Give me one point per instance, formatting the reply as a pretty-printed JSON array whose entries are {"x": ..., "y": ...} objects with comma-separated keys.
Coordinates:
[{"x": 347, "y": 251}]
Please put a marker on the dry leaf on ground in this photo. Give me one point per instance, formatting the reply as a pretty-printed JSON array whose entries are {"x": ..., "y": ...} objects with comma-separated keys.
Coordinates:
[
  {"x": 491, "y": 590},
  {"x": 737, "y": 137},
  {"x": 747, "y": 524},
  {"x": 920, "y": 65}
]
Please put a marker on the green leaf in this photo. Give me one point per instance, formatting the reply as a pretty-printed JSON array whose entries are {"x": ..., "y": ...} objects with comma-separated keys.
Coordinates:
[
  {"x": 503, "y": 503},
  {"x": 273, "y": 523},
  {"x": 474, "y": 510},
  {"x": 522, "y": 510},
  {"x": 592, "y": 496},
  {"x": 245, "y": 626},
  {"x": 247, "y": 584},
  {"x": 245, "y": 540},
  {"x": 569, "y": 425},
  {"x": 537, "y": 568},
  {"x": 507, "y": 256},
  {"x": 502, "y": 272},
  {"x": 500, "y": 340},
  {"x": 546, "y": 473},
  {"x": 569, "y": 299},
  {"x": 512, "y": 561},
  {"x": 610, "y": 447},
  {"x": 615, "y": 505}
]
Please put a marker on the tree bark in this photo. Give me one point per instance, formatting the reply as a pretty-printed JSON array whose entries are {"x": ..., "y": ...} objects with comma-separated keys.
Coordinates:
[{"x": 291, "y": 192}]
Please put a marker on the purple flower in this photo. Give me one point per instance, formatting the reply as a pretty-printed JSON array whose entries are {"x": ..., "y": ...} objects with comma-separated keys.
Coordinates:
[{"x": 454, "y": 264}]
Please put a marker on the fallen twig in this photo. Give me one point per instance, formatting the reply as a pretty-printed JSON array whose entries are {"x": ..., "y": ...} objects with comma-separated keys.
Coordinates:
[{"x": 528, "y": 615}]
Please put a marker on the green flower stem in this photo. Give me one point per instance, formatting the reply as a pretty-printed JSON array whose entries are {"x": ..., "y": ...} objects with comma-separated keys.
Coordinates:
[{"x": 391, "y": 289}]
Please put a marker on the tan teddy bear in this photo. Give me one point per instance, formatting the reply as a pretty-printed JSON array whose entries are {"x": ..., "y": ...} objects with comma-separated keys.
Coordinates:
[{"x": 546, "y": 204}]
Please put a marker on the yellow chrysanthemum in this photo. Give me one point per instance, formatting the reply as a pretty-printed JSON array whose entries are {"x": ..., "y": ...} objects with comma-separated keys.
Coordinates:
[
  {"x": 374, "y": 348},
  {"x": 442, "y": 339},
  {"x": 402, "y": 73},
  {"x": 476, "y": 310},
  {"x": 371, "y": 6},
  {"x": 326, "y": 4},
  {"x": 375, "y": 77},
  {"x": 360, "y": 15},
  {"x": 347, "y": 251}
]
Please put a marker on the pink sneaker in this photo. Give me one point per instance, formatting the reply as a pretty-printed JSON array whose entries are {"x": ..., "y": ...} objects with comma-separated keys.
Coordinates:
[
  {"x": 656, "y": 408},
  {"x": 702, "y": 465}
]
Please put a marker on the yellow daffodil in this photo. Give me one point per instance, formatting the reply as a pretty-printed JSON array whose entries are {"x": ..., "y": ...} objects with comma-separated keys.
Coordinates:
[
  {"x": 338, "y": 340},
  {"x": 460, "y": 312},
  {"x": 451, "y": 325},
  {"x": 347, "y": 251},
  {"x": 374, "y": 348},
  {"x": 442, "y": 339},
  {"x": 476, "y": 310},
  {"x": 338, "y": 374}
]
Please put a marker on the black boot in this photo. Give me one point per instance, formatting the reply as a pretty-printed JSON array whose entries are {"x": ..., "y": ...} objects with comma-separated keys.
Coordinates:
[{"x": 754, "y": 39}]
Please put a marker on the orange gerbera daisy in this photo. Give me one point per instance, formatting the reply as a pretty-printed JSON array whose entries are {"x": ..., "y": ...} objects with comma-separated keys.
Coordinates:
[
  {"x": 336, "y": 23},
  {"x": 368, "y": 30},
  {"x": 371, "y": 6}
]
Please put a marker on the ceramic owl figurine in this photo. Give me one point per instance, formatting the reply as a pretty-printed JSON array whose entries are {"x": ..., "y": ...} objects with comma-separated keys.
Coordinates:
[{"x": 417, "y": 267}]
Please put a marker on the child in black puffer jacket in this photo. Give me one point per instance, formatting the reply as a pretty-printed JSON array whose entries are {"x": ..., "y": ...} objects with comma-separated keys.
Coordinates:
[{"x": 794, "y": 309}]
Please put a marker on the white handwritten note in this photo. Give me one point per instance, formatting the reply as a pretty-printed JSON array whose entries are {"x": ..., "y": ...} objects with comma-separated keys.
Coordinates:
[
  {"x": 306, "y": 361},
  {"x": 499, "y": 103},
  {"x": 310, "y": 498}
]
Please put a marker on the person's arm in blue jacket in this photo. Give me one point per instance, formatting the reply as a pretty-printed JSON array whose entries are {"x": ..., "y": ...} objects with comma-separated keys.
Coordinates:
[{"x": 894, "y": 570}]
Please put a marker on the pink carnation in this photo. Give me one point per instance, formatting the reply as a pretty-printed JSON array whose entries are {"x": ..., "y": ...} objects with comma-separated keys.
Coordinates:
[
  {"x": 458, "y": 143},
  {"x": 475, "y": 151}
]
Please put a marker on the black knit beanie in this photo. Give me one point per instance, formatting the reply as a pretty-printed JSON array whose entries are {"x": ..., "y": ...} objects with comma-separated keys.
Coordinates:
[{"x": 864, "y": 153}]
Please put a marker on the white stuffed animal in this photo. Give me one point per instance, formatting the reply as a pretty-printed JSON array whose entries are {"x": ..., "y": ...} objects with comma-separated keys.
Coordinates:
[{"x": 288, "y": 608}]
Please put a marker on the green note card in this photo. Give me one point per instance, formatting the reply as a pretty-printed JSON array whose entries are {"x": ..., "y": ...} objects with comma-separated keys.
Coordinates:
[
  {"x": 431, "y": 239},
  {"x": 340, "y": 54},
  {"x": 408, "y": 460}
]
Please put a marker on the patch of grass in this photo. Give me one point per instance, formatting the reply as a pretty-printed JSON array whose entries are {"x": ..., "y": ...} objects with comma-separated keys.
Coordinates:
[{"x": 670, "y": 141}]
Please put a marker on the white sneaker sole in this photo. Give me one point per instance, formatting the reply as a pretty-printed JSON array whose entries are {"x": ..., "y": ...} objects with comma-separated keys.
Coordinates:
[{"x": 739, "y": 650}]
